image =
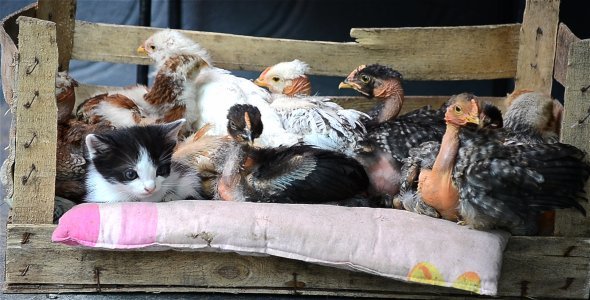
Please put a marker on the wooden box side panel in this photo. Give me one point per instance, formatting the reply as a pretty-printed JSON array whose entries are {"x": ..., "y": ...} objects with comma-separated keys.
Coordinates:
[
  {"x": 458, "y": 54},
  {"x": 576, "y": 130},
  {"x": 533, "y": 267},
  {"x": 36, "y": 128}
]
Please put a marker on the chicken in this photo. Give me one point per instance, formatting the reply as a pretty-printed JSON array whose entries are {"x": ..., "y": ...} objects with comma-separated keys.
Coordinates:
[
  {"x": 215, "y": 90},
  {"x": 486, "y": 183},
  {"x": 423, "y": 157},
  {"x": 389, "y": 137},
  {"x": 295, "y": 174},
  {"x": 533, "y": 116},
  {"x": 319, "y": 121},
  {"x": 70, "y": 161},
  {"x": 169, "y": 99},
  {"x": 65, "y": 94},
  {"x": 196, "y": 151}
]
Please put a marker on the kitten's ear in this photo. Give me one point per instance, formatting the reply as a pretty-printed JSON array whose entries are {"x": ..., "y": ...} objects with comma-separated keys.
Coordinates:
[
  {"x": 95, "y": 145},
  {"x": 173, "y": 128}
]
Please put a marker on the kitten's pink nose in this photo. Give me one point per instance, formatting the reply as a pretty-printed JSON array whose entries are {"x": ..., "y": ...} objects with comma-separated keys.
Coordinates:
[{"x": 149, "y": 190}]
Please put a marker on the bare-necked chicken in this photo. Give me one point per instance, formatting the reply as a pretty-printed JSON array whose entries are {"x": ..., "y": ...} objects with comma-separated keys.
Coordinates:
[
  {"x": 294, "y": 174},
  {"x": 389, "y": 136},
  {"x": 485, "y": 183},
  {"x": 316, "y": 119}
]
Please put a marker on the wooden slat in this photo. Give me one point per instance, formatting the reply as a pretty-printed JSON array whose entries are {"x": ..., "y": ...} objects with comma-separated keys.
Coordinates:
[
  {"x": 565, "y": 38},
  {"x": 575, "y": 129},
  {"x": 537, "y": 45},
  {"x": 533, "y": 267},
  {"x": 36, "y": 128},
  {"x": 453, "y": 53},
  {"x": 468, "y": 52},
  {"x": 63, "y": 13}
]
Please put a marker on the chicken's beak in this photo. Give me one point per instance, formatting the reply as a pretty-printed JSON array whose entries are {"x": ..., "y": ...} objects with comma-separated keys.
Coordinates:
[
  {"x": 472, "y": 119},
  {"x": 345, "y": 85},
  {"x": 141, "y": 50},
  {"x": 261, "y": 83}
]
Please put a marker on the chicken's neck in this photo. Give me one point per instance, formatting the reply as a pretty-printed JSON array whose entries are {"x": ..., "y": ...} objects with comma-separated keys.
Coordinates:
[
  {"x": 299, "y": 86},
  {"x": 436, "y": 185},
  {"x": 445, "y": 160},
  {"x": 393, "y": 95}
]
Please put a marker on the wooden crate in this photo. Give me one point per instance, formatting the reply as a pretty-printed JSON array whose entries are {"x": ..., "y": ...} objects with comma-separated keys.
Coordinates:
[{"x": 48, "y": 37}]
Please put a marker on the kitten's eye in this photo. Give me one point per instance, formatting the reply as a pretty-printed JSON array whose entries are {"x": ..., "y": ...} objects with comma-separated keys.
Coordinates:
[
  {"x": 163, "y": 170},
  {"x": 276, "y": 79},
  {"x": 130, "y": 174},
  {"x": 365, "y": 78}
]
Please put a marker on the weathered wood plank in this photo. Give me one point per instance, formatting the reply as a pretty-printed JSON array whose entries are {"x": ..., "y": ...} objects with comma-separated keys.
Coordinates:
[
  {"x": 565, "y": 38},
  {"x": 533, "y": 266},
  {"x": 462, "y": 51},
  {"x": 575, "y": 129},
  {"x": 36, "y": 127},
  {"x": 63, "y": 13},
  {"x": 536, "y": 52},
  {"x": 467, "y": 58}
]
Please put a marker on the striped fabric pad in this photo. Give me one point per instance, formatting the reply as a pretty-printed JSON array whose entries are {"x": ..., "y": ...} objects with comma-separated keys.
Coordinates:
[{"x": 386, "y": 242}]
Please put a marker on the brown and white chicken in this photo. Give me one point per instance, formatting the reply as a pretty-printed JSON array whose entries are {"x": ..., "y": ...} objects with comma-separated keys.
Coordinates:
[
  {"x": 319, "y": 121},
  {"x": 215, "y": 90},
  {"x": 70, "y": 161},
  {"x": 196, "y": 151},
  {"x": 170, "y": 98}
]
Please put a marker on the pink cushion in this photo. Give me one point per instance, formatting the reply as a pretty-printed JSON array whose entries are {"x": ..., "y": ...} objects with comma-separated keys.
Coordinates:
[{"x": 386, "y": 242}]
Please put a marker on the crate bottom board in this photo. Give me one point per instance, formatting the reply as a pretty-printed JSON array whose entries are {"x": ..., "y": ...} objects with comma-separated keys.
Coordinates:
[{"x": 552, "y": 267}]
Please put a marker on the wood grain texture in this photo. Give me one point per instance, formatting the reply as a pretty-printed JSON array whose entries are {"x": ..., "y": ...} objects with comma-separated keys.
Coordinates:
[
  {"x": 565, "y": 38},
  {"x": 453, "y": 53},
  {"x": 533, "y": 267},
  {"x": 536, "y": 52},
  {"x": 63, "y": 13},
  {"x": 575, "y": 130},
  {"x": 36, "y": 126}
]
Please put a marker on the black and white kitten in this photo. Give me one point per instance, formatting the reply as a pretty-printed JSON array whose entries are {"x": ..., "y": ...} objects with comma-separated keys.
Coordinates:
[{"x": 135, "y": 164}]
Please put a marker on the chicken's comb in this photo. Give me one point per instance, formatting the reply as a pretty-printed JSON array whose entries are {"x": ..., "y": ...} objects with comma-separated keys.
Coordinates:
[
  {"x": 353, "y": 73},
  {"x": 264, "y": 72},
  {"x": 202, "y": 131},
  {"x": 247, "y": 120}
]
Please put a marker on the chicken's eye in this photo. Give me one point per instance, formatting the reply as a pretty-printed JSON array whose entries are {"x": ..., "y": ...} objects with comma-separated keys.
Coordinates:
[
  {"x": 152, "y": 47},
  {"x": 232, "y": 124},
  {"x": 458, "y": 109},
  {"x": 276, "y": 79},
  {"x": 365, "y": 78}
]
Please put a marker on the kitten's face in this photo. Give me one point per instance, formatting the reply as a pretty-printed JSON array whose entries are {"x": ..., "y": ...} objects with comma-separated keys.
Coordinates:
[{"x": 135, "y": 161}]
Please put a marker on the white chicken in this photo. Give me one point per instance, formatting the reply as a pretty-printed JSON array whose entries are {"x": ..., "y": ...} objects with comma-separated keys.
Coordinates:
[
  {"x": 215, "y": 90},
  {"x": 317, "y": 119}
]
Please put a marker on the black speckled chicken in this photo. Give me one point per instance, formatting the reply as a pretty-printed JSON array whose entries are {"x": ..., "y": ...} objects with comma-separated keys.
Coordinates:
[
  {"x": 389, "y": 137},
  {"x": 488, "y": 184},
  {"x": 295, "y": 174},
  {"x": 423, "y": 157}
]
